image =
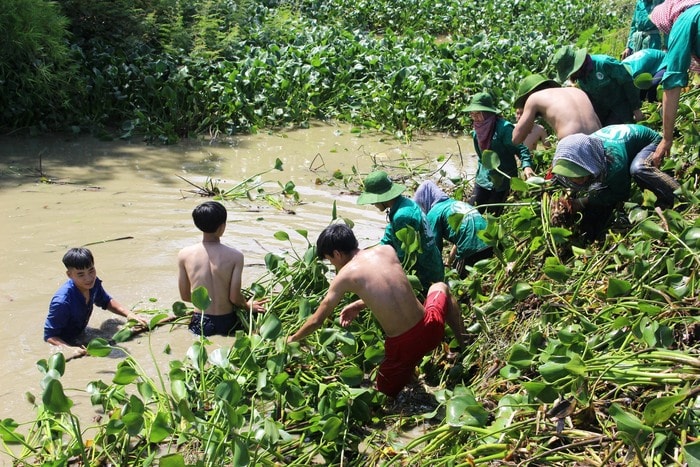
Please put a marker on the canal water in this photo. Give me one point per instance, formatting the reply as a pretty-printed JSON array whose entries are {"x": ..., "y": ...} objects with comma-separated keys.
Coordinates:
[{"x": 132, "y": 202}]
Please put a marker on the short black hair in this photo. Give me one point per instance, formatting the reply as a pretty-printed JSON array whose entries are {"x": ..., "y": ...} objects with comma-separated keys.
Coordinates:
[
  {"x": 338, "y": 237},
  {"x": 78, "y": 258},
  {"x": 209, "y": 216}
]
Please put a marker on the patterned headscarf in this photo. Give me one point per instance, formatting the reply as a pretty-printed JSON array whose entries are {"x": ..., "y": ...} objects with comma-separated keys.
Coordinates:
[
  {"x": 484, "y": 130},
  {"x": 428, "y": 195},
  {"x": 666, "y": 13},
  {"x": 586, "y": 151}
]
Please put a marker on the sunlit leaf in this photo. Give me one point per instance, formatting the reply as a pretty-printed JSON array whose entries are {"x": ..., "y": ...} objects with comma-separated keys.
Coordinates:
[
  {"x": 172, "y": 460},
  {"x": 352, "y": 375},
  {"x": 99, "y": 347},
  {"x": 160, "y": 429},
  {"x": 660, "y": 409},
  {"x": 281, "y": 235},
  {"x": 271, "y": 327},
  {"x": 54, "y": 398},
  {"x": 122, "y": 335},
  {"x": 332, "y": 428},
  {"x": 464, "y": 410},
  {"x": 200, "y": 298},
  {"x": 618, "y": 288},
  {"x": 629, "y": 424},
  {"x": 490, "y": 159},
  {"x": 125, "y": 374}
]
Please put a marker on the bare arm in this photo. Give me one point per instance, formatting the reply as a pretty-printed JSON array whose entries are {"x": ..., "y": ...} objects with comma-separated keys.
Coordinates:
[
  {"x": 183, "y": 281},
  {"x": 119, "y": 309},
  {"x": 670, "y": 110},
  {"x": 524, "y": 125},
  {"x": 322, "y": 313},
  {"x": 350, "y": 312}
]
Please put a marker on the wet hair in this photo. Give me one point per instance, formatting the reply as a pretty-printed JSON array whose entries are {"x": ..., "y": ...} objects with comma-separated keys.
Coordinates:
[
  {"x": 78, "y": 258},
  {"x": 209, "y": 216},
  {"x": 338, "y": 237}
]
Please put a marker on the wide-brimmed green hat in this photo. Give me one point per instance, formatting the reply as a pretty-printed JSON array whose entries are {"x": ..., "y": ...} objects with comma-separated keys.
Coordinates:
[
  {"x": 569, "y": 169},
  {"x": 379, "y": 189},
  {"x": 481, "y": 102},
  {"x": 530, "y": 84},
  {"x": 568, "y": 60}
]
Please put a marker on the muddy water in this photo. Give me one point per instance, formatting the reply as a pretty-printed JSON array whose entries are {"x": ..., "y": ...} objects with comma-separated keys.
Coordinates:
[{"x": 126, "y": 200}]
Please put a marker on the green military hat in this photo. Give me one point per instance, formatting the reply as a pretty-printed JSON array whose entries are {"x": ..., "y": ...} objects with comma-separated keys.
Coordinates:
[
  {"x": 568, "y": 60},
  {"x": 379, "y": 189},
  {"x": 481, "y": 102},
  {"x": 530, "y": 84},
  {"x": 569, "y": 169}
]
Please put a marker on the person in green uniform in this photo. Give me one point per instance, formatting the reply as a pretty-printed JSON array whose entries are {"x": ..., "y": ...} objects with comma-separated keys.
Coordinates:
[
  {"x": 385, "y": 195},
  {"x": 599, "y": 169},
  {"x": 643, "y": 32},
  {"x": 467, "y": 247},
  {"x": 647, "y": 69},
  {"x": 492, "y": 132},
  {"x": 683, "y": 45},
  {"x": 606, "y": 81}
]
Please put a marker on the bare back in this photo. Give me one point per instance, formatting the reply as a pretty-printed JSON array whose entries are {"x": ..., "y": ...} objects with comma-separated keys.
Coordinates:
[
  {"x": 567, "y": 110},
  {"x": 214, "y": 266},
  {"x": 376, "y": 276}
]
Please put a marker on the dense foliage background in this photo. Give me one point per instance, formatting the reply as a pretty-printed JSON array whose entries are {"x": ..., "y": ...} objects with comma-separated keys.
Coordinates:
[
  {"x": 169, "y": 69},
  {"x": 579, "y": 354}
]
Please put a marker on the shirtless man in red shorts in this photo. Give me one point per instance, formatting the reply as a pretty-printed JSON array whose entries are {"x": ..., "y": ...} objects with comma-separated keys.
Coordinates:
[{"x": 375, "y": 275}]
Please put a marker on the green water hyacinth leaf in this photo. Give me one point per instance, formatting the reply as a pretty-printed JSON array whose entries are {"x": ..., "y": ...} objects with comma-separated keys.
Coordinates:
[
  {"x": 691, "y": 451},
  {"x": 559, "y": 367},
  {"x": 8, "y": 433},
  {"x": 652, "y": 229},
  {"x": 200, "y": 298},
  {"x": 661, "y": 409},
  {"x": 55, "y": 399},
  {"x": 172, "y": 460},
  {"x": 618, "y": 288},
  {"x": 464, "y": 410},
  {"x": 490, "y": 159},
  {"x": 281, "y": 235},
  {"x": 518, "y": 184},
  {"x": 520, "y": 357},
  {"x": 278, "y": 164},
  {"x": 57, "y": 362},
  {"x": 179, "y": 309},
  {"x": 271, "y": 327},
  {"x": 153, "y": 322},
  {"x": 521, "y": 290},
  {"x": 352, "y": 376},
  {"x": 241, "y": 457},
  {"x": 160, "y": 428},
  {"x": 331, "y": 428},
  {"x": 125, "y": 374},
  {"x": 454, "y": 220},
  {"x": 99, "y": 347},
  {"x": 555, "y": 270},
  {"x": 629, "y": 424},
  {"x": 692, "y": 237},
  {"x": 228, "y": 391},
  {"x": 122, "y": 335},
  {"x": 542, "y": 391}
]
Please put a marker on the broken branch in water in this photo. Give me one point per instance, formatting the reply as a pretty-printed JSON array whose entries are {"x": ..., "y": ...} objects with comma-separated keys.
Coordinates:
[{"x": 129, "y": 237}]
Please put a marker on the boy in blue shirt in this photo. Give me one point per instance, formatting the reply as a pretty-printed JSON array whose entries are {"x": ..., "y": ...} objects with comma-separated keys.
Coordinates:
[{"x": 71, "y": 306}]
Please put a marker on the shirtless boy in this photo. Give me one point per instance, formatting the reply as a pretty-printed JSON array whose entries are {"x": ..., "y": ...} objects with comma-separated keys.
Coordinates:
[
  {"x": 216, "y": 267},
  {"x": 375, "y": 275},
  {"x": 566, "y": 110}
]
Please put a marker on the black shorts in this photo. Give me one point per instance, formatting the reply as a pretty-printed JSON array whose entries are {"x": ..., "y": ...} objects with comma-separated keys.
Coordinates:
[{"x": 208, "y": 325}]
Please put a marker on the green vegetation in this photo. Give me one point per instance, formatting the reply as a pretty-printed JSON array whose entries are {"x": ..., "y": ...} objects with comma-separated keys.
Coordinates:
[{"x": 578, "y": 355}]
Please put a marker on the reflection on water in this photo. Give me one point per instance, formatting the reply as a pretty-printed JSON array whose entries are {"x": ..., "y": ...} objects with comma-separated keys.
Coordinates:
[{"x": 127, "y": 202}]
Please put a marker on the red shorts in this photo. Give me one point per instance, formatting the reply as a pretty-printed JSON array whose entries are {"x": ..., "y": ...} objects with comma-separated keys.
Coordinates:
[{"x": 402, "y": 353}]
